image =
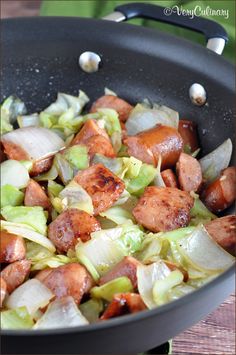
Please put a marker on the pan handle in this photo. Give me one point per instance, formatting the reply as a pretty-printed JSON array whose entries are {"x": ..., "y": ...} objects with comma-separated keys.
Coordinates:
[{"x": 215, "y": 34}]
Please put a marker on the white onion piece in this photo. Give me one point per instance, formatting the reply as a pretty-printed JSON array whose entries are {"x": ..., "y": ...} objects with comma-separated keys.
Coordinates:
[
  {"x": 158, "y": 181},
  {"x": 147, "y": 275},
  {"x": 203, "y": 253},
  {"x": 28, "y": 120},
  {"x": 37, "y": 142},
  {"x": 101, "y": 251},
  {"x": 216, "y": 161},
  {"x": 142, "y": 118},
  {"x": 107, "y": 91},
  {"x": 14, "y": 173},
  {"x": 61, "y": 313},
  {"x": 74, "y": 196},
  {"x": 32, "y": 294},
  {"x": 28, "y": 233}
]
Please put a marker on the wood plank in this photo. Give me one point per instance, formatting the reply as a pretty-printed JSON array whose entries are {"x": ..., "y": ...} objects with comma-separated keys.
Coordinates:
[{"x": 213, "y": 335}]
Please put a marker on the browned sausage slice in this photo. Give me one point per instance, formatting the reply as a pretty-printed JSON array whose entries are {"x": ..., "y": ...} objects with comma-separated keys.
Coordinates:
[
  {"x": 12, "y": 248},
  {"x": 3, "y": 291},
  {"x": 163, "y": 209},
  {"x": 43, "y": 274},
  {"x": 188, "y": 131},
  {"x": 99, "y": 145},
  {"x": 69, "y": 280},
  {"x": 169, "y": 178},
  {"x": 124, "y": 303},
  {"x": 126, "y": 267},
  {"x": 221, "y": 193},
  {"x": 14, "y": 151},
  {"x": 70, "y": 225},
  {"x": 95, "y": 139},
  {"x": 189, "y": 173},
  {"x": 223, "y": 231},
  {"x": 102, "y": 185},
  {"x": 158, "y": 141},
  {"x": 122, "y": 107},
  {"x": 41, "y": 166},
  {"x": 36, "y": 196},
  {"x": 15, "y": 274},
  {"x": 89, "y": 129},
  {"x": 3, "y": 156}
]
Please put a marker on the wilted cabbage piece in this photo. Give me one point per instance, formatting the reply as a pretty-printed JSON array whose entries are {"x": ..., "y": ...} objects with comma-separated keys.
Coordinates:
[
  {"x": 10, "y": 109},
  {"x": 31, "y": 216},
  {"x": 18, "y": 318},
  {"x": 11, "y": 196}
]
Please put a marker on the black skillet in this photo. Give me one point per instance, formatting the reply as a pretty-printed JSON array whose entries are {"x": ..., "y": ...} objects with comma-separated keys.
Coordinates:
[{"x": 40, "y": 58}]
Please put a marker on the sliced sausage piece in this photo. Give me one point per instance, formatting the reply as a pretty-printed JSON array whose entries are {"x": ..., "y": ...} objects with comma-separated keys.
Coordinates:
[
  {"x": 163, "y": 209},
  {"x": 99, "y": 145},
  {"x": 41, "y": 166},
  {"x": 221, "y": 193},
  {"x": 3, "y": 156},
  {"x": 89, "y": 129},
  {"x": 15, "y": 274},
  {"x": 70, "y": 225},
  {"x": 169, "y": 178},
  {"x": 158, "y": 141},
  {"x": 188, "y": 131},
  {"x": 126, "y": 267},
  {"x": 102, "y": 185},
  {"x": 69, "y": 280},
  {"x": 223, "y": 231},
  {"x": 189, "y": 173},
  {"x": 12, "y": 248},
  {"x": 95, "y": 139},
  {"x": 36, "y": 196},
  {"x": 172, "y": 266},
  {"x": 43, "y": 274},
  {"x": 124, "y": 303},
  {"x": 122, "y": 107},
  {"x": 3, "y": 291},
  {"x": 14, "y": 151}
]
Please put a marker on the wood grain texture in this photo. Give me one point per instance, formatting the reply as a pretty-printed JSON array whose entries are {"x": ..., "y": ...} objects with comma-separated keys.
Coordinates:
[{"x": 213, "y": 335}]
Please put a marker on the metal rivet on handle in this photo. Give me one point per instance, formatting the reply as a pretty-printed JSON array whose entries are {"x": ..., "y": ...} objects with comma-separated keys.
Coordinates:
[
  {"x": 197, "y": 94},
  {"x": 89, "y": 62}
]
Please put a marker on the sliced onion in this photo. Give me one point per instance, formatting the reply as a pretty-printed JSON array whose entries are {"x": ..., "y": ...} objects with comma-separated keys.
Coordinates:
[
  {"x": 107, "y": 91},
  {"x": 37, "y": 142},
  {"x": 14, "y": 173},
  {"x": 102, "y": 252},
  {"x": 158, "y": 181},
  {"x": 28, "y": 120},
  {"x": 142, "y": 118},
  {"x": 203, "y": 253},
  {"x": 28, "y": 233},
  {"x": 216, "y": 161},
  {"x": 61, "y": 313},
  {"x": 147, "y": 275},
  {"x": 32, "y": 294},
  {"x": 74, "y": 196}
]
